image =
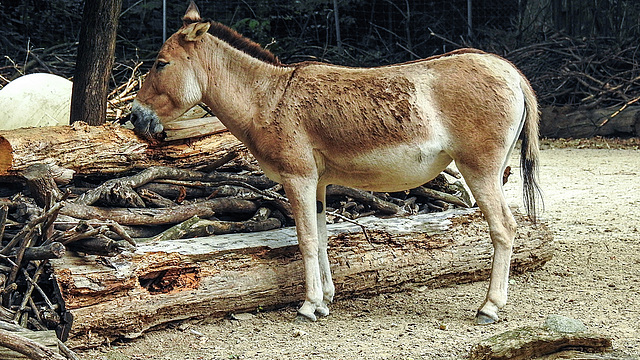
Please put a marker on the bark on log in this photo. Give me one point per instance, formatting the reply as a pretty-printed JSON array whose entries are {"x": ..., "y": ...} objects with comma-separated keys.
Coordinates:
[
  {"x": 167, "y": 281},
  {"x": 75, "y": 147}
]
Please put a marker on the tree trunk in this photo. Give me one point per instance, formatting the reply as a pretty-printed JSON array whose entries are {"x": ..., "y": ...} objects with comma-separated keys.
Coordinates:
[
  {"x": 213, "y": 276},
  {"x": 95, "y": 58}
]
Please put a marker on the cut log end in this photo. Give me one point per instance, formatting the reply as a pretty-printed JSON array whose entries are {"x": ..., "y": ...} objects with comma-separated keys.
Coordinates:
[{"x": 6, "y": 155}]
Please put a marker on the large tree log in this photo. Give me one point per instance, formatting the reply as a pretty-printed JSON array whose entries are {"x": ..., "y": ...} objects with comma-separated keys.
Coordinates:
[
  {"x": 572, "y": 122},
  {"x": 213, "y": 276},
  {"x": 107, "y": 149}
]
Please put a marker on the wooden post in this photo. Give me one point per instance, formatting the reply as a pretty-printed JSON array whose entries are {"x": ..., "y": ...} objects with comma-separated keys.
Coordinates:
[{"x": 95, "y": 58}]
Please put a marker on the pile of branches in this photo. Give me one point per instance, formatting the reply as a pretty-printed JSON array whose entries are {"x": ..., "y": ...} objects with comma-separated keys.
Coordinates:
[
  {"x": 48, "y": 214},
  {"x": 587, "y": 72}
]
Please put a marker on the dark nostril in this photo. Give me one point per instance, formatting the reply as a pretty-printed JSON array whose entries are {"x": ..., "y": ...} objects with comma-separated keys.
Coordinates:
[{"x": 133, "y": 118}]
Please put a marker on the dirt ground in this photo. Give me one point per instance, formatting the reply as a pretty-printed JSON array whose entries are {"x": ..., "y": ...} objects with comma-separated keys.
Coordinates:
[{"x": 592, "y": 204}]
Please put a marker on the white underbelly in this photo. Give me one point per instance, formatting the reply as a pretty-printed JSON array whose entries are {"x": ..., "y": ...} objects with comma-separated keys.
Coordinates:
[{"x": 390, "y": 169}]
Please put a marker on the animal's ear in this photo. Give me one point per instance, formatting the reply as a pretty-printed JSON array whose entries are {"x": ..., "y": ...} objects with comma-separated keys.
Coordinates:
[
  {"x": 195, "y": 31},
  {"x": 192, "y": 14}
]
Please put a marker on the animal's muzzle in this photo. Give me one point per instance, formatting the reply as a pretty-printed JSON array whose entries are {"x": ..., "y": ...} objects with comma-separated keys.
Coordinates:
[{"x": 145, "y": 122}]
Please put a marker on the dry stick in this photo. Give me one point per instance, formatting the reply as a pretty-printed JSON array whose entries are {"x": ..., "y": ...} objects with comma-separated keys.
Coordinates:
[
  {"x": 626, "y": 105},
  {"x": 66, "y": 351},
  {"x": 26, "y": 347},
  {"x": 164, "y": 216},
  {"x": 164, "y": 172},
  {"x": 30, "y": 287},
  {"x": 365, "y": 197},
  {"x": 29, "y": 227},
  {"x": 83, "y": 235},
  {"x": 439, "y": 195},
  {"x": 39, "y": 289},
  {"x": 37, "y": 322},
  {"x": 19, "y": 255},
  {"x": 363, "y": 227},
  {"x": 54, "y": 250},
  {"x": 4, "y": 210}
]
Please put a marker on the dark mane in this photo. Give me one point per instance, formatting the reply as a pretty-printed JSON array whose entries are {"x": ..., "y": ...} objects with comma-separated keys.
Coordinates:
[{"x": 242, "y": 43}]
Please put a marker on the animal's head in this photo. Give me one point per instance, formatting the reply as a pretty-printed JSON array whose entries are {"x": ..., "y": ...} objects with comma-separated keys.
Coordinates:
[{"x": 174, "y": 83}]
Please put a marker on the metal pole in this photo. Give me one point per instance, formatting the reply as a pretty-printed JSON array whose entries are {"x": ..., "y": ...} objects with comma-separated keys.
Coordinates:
[
  {"x": 469, "y": 19},
  {"x": 164, "y": 20}
]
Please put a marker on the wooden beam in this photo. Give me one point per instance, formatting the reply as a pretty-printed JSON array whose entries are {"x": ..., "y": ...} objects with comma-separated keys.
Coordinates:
[{"x": 213, "y": 276}]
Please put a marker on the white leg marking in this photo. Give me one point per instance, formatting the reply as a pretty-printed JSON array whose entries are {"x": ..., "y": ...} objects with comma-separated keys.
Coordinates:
[
  {"x": 302, "y": 195},
  {"x": 328, "y": 289},
  {"x": 487, "y": 191}
]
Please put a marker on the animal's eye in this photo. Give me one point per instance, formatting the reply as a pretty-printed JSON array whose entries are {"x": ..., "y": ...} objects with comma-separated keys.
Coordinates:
[{"x": 161, "y": 64}]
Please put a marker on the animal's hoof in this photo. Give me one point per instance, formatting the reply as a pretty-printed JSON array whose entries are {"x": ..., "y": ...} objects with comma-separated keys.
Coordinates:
[
  {"x": 485, "y": 319},
  {"x": 322, "y": 310},
  {"x": 302, "y": 318}
]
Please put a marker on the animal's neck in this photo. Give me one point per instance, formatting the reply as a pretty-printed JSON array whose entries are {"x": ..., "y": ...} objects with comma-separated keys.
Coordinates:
[{"x": 241, "y": 87}]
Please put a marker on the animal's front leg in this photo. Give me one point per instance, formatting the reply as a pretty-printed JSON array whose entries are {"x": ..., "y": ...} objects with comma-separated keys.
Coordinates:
[
  {"x": 302, "y": 195},
  {"x": 328, "y": 288}
]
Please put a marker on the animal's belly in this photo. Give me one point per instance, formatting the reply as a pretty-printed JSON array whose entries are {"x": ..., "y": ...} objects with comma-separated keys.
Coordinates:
[{"x": 393, "y": 169}]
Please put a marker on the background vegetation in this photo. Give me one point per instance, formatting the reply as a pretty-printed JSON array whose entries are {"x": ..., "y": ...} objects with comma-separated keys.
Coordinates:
[{"x": 548, "y": 39}]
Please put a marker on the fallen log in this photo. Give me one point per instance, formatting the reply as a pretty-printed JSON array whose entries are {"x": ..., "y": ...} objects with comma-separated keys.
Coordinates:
[
  {"x": 580, "y": 122},
  {"x": 212, "y": 276},
  {"x": 75, "y": 147}
]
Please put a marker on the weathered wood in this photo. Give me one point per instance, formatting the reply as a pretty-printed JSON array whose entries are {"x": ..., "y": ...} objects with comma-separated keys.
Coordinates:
[
  {"x": 75, "y": 147},
  {"x": 29, "y": 345},
  {"x": 531, "y": 342},
  {"x": 580, "y": 355},
  {"x": 41, "y": 184},
  {"x": 572, "y": 122},
  {"x": 55, "y": 250},
  {"x": 191, "y": 128},
  {"x": 167, "y": 281}
]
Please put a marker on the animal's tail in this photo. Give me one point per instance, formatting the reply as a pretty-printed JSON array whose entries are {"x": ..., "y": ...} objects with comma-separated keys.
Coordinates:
[{"x": 529, "y": 151}]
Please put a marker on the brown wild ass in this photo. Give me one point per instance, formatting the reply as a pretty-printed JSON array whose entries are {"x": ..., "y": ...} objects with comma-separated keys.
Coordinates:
[{"x": 387, "y": 128}]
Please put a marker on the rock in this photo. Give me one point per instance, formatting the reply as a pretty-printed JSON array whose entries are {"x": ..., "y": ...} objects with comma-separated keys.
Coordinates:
[
  {"x": 35, "y": 100},
  {"x": 299, "y": 333},
  {"x": 564, "y": 324}
]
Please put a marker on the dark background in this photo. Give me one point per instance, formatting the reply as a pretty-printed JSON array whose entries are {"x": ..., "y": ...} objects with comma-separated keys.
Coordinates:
[{"x": 550, "y": 40}]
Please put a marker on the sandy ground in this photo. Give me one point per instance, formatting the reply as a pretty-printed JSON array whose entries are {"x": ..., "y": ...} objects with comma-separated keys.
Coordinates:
[{"x": 592, "y": 204}]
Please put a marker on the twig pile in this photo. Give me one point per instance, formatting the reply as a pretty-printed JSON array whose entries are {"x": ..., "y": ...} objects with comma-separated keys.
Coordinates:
[{"x": 592, "y": 73}]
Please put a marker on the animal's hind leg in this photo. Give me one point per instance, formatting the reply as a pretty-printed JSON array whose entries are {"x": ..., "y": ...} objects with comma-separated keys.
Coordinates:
[{"x": 486, "y": 187}]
